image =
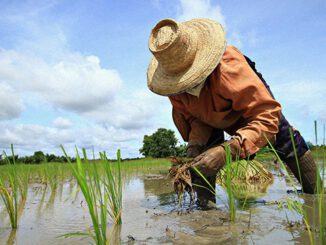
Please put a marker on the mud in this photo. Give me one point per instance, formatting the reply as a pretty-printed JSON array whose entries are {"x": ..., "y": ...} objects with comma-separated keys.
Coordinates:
[
  {"x": 151, "y": 216},
  {"x": 181, "y": 177}
]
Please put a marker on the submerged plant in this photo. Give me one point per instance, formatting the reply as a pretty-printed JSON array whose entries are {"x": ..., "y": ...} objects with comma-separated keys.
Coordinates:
[
  {"x": 321, "y": 195},
  {"x": 9, "y": 197},
  {"x": 228, "y": 160},
  {"x": 248, "y": 179},
  {"x": 101, "y": 202},
  {"x": 113, "y": 188},
  {"x": 10, "y": 192},
  {"x": 234, "y": 174},
  {"x": 294, "y": 205},
  {"x": 321, "y": 206}
]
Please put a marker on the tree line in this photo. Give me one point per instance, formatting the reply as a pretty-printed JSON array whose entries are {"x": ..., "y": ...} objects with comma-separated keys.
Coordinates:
[
  {"x": 37, "y": 158},
  {"x": 162, "y": 143}
]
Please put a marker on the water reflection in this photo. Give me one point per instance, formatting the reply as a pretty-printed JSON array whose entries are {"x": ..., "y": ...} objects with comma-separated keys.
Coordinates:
[
  {"x": 12, "y": 237},
  {"x": 149, "y": 214},
  {"x": 161, "y": 188}
]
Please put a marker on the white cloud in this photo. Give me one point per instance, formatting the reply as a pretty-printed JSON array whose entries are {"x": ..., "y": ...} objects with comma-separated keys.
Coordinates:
[
  {"x": 11, "y": 104},
  {"x": 28, "y": 138},
  {"x": 40, "y": 68},
  {"x": 62, "y": 123},
  {"x": 131, "y": 110},
  {"x": 77, "y": 83},
  {"x": 190, "y": 9},
  {"x": 79, "y": 86}
]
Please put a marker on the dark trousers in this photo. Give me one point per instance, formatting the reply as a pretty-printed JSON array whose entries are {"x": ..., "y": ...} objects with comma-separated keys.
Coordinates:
[{"x": 283, "y": 144}]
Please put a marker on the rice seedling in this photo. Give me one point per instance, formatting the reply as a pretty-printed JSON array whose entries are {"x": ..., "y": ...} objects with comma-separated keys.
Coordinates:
[
  {"x": 23, "y": 182},
  {"x": 10, "y": 199},
  {"x": 321, "y": 206},
  {"x": 181, "y": 178},
  {"x": 249, "y": 179},
  {"x": 113, "y": 188},
  {"x": 293, "y": 205},
  {"x": 9, "y": 192},
  {"x": 99, "y": 200},
  {"x": 228, "y": 160},
  {"x": 321, "y": 195},
  {"x": 12, "y": 237},
  {"x": 234, "y": 174},
  {"x": 210, "y": 188}
]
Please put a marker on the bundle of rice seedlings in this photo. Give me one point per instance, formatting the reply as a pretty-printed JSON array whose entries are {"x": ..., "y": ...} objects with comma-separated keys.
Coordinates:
[
  {"x": 181, "y": 177},
  {"x": 249, "y": 179}
]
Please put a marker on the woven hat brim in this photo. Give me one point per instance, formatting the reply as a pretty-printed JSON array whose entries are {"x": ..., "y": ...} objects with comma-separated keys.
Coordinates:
[{"x": 211, "y": 46}]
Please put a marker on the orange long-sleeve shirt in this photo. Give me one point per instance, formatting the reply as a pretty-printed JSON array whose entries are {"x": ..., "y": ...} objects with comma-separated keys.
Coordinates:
[{"x": 233, "y": 99}]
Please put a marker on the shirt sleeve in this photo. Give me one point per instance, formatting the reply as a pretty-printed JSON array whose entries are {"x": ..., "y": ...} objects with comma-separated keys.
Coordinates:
[
  {"x": 249, "y": 96},
  {"x": 191, "y": 128}
]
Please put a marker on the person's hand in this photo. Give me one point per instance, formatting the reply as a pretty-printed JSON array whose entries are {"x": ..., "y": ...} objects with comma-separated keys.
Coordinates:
[
  {"x": 211, "y": 161},
  {"x": 193, "y": 150}
]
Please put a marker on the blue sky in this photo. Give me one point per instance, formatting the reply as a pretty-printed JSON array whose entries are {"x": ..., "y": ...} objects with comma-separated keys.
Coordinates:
[{"x": 74, "y": 72}]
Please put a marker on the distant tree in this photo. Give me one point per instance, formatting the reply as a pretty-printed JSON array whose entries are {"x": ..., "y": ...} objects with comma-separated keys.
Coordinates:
[
  {"x": 25, "y": 160},
  {"x": 38, "y": 157},
  {"x": 181, "y": 150},
  {"x": 50, "y": 157},
  {"x": 162, "y": 143},
  {"x": 12, "y": 159}
]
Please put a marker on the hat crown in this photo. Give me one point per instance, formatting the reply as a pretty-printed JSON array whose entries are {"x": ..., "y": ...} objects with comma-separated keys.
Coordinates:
[
  {"x": 185, "y": 54},
  {"x": 164, "y": 37},
  {"x": 173, "y": 46}
]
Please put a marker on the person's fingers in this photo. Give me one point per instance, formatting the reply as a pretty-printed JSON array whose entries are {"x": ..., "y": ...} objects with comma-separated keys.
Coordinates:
[
  {"x": 205, "y": 161},
  {"x": 198, "y": 158},
  {"x": 197, "y": 164},
  {"x": 210, "y": 157}
]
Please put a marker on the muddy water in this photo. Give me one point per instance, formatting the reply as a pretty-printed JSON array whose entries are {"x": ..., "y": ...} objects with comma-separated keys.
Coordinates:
[{"x": 151, "y": 216}]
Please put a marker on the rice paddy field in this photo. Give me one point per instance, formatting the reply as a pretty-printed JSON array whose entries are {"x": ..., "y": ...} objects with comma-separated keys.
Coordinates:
[{"x": 133, "y": 202}]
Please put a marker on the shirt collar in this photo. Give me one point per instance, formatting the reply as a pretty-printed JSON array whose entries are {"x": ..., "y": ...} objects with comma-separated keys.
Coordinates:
[{"x": 195, "y": 91}]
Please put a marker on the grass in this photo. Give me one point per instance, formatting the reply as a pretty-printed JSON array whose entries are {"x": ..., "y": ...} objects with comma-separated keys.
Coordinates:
[
  {"x": 297, "y": 205},
  {"x": 9, "y": 192},
  {"x": 113, "y": 187},
  {"x": 9, "y": 196},
  {"x": 321, "y": 198},
  {"x": 101, "y": 202},
  {"x": 120, "y": 171},
  {"x": 231, "y": 200},
  {"x": 293, "y": 205},
  {"x": 238, "y": 177},
  {"x": 249, "y": 179},
  {"x": 229, "y": 191},
  {"x": 319, "y": 193}
]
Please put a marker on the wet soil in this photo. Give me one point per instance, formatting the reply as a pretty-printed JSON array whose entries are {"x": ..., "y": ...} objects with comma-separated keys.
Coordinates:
[{"x": 151, "y": 216}]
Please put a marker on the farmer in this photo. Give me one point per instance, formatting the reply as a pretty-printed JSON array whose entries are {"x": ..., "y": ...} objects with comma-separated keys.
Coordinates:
[{"x": 214, "y": 89}]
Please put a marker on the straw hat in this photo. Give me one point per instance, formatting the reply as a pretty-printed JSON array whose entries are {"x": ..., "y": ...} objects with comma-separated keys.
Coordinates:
[{"x": 184, "y": 54}]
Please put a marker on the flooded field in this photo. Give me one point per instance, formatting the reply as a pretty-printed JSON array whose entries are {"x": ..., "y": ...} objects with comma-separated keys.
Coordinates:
[{"x": 55, "y": 206}]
